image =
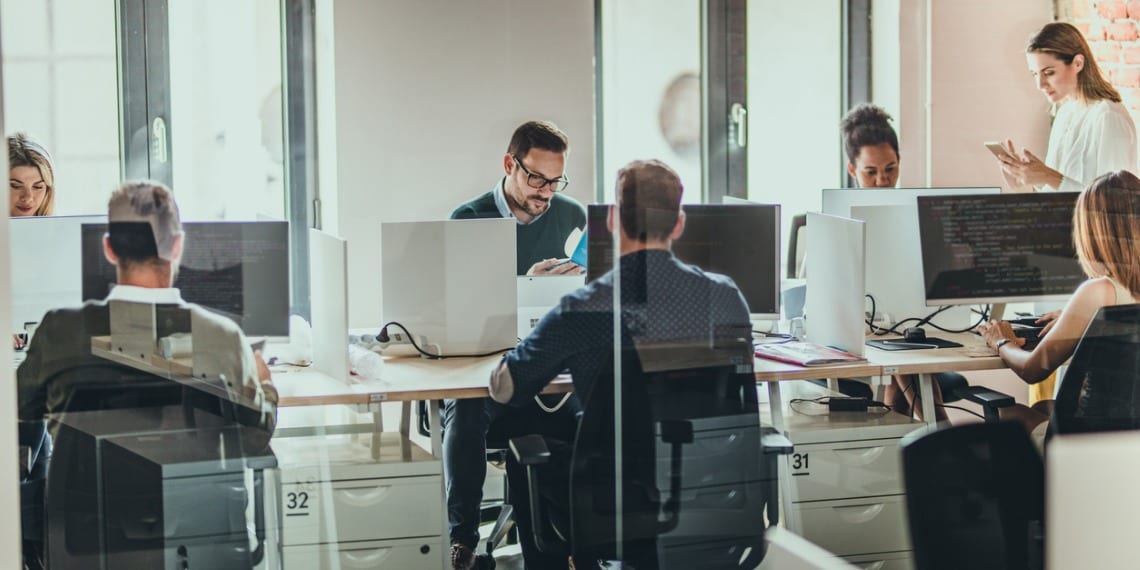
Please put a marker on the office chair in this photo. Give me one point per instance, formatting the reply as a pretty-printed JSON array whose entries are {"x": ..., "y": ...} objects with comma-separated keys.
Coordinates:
[
  {"x": 78, "y": 531},
  {"x": 975, "y": 496},
  {"x": 696, "y": 481},
  {"x": 799, "y": 222},
  {"x": 1101, "y": 388}
]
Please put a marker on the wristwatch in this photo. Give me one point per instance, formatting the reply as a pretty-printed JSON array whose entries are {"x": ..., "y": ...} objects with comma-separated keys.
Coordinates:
[{"x": 1002, "y": 343}]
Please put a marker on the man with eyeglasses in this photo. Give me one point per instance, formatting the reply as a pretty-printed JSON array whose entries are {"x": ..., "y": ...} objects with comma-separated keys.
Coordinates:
[{"x": 530, "y": 192}]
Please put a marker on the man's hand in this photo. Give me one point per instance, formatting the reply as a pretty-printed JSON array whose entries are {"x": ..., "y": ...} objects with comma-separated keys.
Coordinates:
[{"x": 556, "y": 267}]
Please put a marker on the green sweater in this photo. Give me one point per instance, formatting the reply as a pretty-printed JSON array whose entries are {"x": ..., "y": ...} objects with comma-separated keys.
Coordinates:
[{"x": 544, "y": 238}]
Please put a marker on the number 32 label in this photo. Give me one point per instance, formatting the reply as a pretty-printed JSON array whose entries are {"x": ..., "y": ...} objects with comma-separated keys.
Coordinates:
[{"x": 297, "y": 503}]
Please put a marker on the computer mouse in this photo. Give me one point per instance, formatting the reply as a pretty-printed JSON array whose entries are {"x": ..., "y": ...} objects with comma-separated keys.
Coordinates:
[{"x": 914, "y": 334}]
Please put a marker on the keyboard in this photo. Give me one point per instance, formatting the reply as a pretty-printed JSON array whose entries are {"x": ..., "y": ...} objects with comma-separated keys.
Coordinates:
[{"x": 1030, "y": 334}]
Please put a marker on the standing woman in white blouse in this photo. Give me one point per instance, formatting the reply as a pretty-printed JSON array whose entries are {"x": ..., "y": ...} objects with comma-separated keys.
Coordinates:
[{"x": 1092, "y": 133}]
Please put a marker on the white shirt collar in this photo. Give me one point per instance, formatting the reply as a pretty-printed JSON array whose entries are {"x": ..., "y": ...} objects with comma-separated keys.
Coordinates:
[
  {"x": 499, "y": 193},
  {"x": 132, "y": 293}
]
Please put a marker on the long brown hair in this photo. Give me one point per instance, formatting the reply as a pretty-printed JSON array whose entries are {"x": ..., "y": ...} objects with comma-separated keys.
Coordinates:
[
  {"x": 1064, "y": 41},
  {"x": 1106, "y": 229},
  {"x": 23, "y": 151}
]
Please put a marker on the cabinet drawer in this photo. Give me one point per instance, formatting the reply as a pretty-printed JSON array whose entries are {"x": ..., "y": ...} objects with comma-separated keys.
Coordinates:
[
  {"x": 367, "y": 509},
  {"x": 856, "y": 526},
  {"x": 407, "y": 554},
  {"x": 846, "y": 470},
  {"x": 886, "y": 561}
]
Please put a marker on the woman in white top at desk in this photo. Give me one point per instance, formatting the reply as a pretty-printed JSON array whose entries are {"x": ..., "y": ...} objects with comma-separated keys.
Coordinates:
[
  {"x": 1092, "y": 132},
  {"x": 1106, "y": 235}
]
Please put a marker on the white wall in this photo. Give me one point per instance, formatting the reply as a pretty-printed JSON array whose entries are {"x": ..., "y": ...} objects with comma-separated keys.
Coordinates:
[
  {"x": 427, "y": 96},
  {"x": 962, "y": 80},
  {"x": 794, "y": 87}
]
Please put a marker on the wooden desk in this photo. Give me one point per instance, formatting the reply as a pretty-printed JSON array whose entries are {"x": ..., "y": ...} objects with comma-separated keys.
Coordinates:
[
  {"x": 972, "y": 355},
  {"x": 402, "y": 379}
]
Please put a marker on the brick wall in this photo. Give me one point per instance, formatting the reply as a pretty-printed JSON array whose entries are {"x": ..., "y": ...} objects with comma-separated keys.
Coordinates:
[{"x": 1111, "y": 27}]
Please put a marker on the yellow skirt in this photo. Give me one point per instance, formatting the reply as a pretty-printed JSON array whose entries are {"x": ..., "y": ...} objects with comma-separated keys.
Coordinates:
[{"x": 1042, "y": 390}]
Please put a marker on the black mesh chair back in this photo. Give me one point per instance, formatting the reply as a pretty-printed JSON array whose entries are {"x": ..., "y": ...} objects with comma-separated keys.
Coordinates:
[
  {"x": 975, "y": 497},
  {"x": 694, "y": 478},
  {"x": 81, "y": 532},
  {"x": 1101, "y": 389}
]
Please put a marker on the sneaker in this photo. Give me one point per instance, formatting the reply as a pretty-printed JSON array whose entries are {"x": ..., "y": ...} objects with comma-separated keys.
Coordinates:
[{"x": 461, "y": 557}]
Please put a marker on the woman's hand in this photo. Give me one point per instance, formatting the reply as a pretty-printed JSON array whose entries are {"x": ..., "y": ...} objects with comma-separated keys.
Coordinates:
[
  {"x": 17, "y": 341},
  {"x": 1049, "y": 319},
  {"x": 1025, "y": 168},
  {"x": 994, "y": 331}
]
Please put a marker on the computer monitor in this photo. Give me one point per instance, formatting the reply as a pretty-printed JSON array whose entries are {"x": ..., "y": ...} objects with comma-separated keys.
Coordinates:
[
  {"x": 46, "y": 273},
  {"x": 741, "y": 241},
  {"x": 839, "y": 201},
  {"x": 239, "y": 270},
  {"x": 451, "y": 284},
  {"x": 998, "y": 249}
]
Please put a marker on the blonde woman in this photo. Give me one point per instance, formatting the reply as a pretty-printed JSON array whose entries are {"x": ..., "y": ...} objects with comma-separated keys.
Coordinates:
[
  {"x": 1092, "y": 132},
  {"x": 31, "y": 179},
  {"x": 1106, "y": 235}
]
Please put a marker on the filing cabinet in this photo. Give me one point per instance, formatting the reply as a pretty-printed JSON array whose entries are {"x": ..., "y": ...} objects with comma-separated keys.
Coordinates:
[
  {"x": 845, "y": 489},
  {"x": 344, "y": 508}
]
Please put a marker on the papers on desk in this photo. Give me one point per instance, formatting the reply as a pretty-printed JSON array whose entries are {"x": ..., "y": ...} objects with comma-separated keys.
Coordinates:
[{"x": 805, "y": 354}]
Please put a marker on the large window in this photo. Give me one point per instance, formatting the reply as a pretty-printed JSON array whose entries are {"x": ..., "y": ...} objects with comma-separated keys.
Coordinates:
[
  {"x": 225, "y": 94},
  {"x": 61, "y": 90}
]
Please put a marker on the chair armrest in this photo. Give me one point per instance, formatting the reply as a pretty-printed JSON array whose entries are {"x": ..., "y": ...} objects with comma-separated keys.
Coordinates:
[
  {"x": 677, "y": 431},
  {"x": 530, "y": 450},
  {"x": 775, "y": 443},
  {"x": 990, "y": 400}
]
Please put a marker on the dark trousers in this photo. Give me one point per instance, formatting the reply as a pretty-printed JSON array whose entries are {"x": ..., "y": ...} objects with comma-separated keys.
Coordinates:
[{"x": 468, "y": 425}]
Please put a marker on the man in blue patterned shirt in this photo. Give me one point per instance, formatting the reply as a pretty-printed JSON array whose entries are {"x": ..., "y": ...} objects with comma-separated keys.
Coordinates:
[{"x": 663, "y": 300}]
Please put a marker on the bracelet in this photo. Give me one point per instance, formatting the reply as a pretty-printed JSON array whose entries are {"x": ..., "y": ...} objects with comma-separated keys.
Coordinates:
[{"x": 1002, "y": 343}]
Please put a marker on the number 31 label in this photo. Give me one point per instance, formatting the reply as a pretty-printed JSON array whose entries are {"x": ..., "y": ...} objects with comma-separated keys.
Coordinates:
[{"x": 800, "y": 464}]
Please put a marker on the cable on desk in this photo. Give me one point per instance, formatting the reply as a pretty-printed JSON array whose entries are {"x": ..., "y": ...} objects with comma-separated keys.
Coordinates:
[
  {"x": 924, "y": 321},
  {"x": 382, "y": 336}
]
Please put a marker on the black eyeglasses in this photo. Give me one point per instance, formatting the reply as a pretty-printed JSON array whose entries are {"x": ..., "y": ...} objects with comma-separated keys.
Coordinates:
[{"x": 538, "y": 181}]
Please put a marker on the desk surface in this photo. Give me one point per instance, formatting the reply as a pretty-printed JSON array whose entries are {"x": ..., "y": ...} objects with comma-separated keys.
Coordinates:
[
  {"x": 972, "y": 355},
  {"x": 403, "y": 379},
  {"x": 414, "y": 378}
]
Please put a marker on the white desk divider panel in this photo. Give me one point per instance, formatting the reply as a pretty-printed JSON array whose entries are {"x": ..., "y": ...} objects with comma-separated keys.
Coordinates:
[
  {"x": 1091, "y": 500},
  {"x": 840, "y": 201},
  {"x": 46, "y": 265},
  {"x": 834, "y": 305},
  {"x": 328, "y": 280}
]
